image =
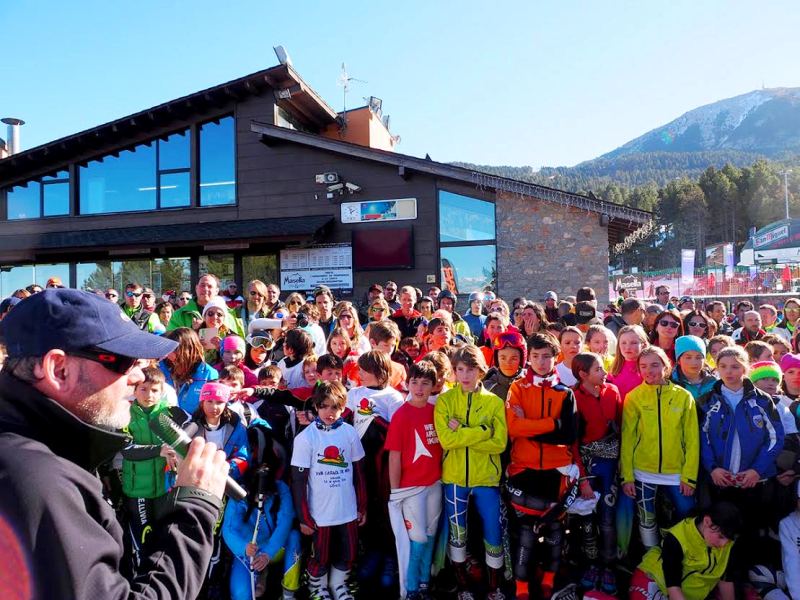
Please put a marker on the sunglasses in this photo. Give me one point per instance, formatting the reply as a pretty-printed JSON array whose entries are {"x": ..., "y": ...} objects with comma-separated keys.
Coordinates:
[
  {"x": 133, "y": 294},
  {"x": 112, "y": 296},
  {"x": 668, "y": 323},
  {"x": 185, "y": 298},
  {"x": 215, "y": 313},
  {"x": 148, "y": 296},
  {"x": 377, "y": 309},
  {"x": 255, "y": 293},
  {"x": 113, "y": 362},
  {"x": 346, "y": 316},
  {"x": 698, "y": 324}
]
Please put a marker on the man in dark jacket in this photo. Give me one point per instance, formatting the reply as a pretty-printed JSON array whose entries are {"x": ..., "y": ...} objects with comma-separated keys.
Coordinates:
[{"x": 72, "y": 359}]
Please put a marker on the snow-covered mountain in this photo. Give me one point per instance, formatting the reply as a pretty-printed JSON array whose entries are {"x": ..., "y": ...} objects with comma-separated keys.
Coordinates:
[{"x": 763, "y": 121}]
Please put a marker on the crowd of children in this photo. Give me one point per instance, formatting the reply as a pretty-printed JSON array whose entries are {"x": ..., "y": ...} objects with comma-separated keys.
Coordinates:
[{"x": 485, "y": 459}]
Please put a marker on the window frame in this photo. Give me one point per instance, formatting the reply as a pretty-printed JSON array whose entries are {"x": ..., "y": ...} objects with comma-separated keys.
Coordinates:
[
  {"x": 459, "y": 244},
  {"x": 40, "y": 181}
]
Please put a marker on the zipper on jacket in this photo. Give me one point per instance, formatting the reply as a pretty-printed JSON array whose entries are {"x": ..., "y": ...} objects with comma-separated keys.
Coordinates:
[
  {"x": 660, "y": 441},
  {"x": 541, "y": 447},
  {"x": 469, "y": 407}
]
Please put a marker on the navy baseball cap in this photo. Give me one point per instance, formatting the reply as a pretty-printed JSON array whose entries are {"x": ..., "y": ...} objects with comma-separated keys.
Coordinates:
[{"x": 70, "y": 319}]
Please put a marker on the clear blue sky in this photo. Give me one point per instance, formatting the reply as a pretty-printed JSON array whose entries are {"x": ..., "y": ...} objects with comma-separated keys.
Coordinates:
[{"x": 519, "y": 83}]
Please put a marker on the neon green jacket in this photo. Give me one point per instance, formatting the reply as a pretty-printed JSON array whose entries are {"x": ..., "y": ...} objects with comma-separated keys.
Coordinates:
[
  {"x": 471, "y": 452},
  {"x": 184, "y": 315},
  {"x": 660, "y": 432},
  {"x": 703, "y": 566}
]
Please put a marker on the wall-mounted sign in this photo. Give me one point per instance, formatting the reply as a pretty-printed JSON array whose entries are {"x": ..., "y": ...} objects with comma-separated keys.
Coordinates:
[
  {"x": 628, "y": 282},
  {"x": 379, "y": 210},
  {"x": 303, "y": 269}
]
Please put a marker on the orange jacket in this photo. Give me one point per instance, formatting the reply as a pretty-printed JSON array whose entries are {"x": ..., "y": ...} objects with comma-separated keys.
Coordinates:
[{"x": 541, "y": 439}]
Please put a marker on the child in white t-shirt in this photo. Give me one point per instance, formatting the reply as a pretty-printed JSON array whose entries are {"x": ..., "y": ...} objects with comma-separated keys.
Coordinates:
[
  {"x": 373, "y": 404},
  {"x": 329, "y": 493}
]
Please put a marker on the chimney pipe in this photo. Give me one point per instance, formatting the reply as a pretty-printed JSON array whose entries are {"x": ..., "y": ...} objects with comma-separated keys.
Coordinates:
[{"x": 13, "y": 134}]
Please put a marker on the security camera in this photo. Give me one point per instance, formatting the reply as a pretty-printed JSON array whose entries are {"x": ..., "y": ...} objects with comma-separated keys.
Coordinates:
[
  {"x": 352, "y": 187},
  {"x": 328, "y": 178},
  {"x": 336, "y": 187}
]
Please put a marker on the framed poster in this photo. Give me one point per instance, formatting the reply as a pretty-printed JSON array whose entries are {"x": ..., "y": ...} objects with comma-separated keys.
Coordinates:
[
  {"x": 379, "y": 210},
  {"x": 303, "y": 269}
]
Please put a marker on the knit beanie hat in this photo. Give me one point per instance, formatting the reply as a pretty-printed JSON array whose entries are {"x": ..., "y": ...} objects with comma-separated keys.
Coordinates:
[
  {"x": 232, "y": 343},
  {"x": 685, "y": 343},
  {"x": 215, "y": 392},
  {"x": 790, "y": 361},
  {"x": 216, "y": 302},
  {"x": 765, "y": 369}
]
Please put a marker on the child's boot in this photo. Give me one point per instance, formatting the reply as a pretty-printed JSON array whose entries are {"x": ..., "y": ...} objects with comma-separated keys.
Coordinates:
[
  {"x": 338, "y": 584},
  {"x": 318, "y": 587}
]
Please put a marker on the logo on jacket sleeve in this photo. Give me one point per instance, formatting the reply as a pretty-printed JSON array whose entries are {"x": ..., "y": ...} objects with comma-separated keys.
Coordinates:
[{"x": 332, "y": 456}]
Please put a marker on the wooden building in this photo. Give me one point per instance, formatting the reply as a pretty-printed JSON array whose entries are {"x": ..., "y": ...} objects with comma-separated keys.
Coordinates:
[{"x": 260, "y": 178}]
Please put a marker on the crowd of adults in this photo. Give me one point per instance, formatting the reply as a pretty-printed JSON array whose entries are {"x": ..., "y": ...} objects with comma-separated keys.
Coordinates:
[{"x": 669, "y": 416}]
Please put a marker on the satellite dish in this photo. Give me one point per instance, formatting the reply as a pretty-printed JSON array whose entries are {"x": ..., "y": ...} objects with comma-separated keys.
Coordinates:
[{"x": 283, "y": 56}]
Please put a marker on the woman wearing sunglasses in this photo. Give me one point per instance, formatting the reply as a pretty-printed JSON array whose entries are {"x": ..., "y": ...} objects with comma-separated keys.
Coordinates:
[
  {"x": 791, "y": 317},
  {"x": 698, "y": 323},
  {"x": 347, "y": 317},
  {"x": 255, "y": 306},
  {"x": 669, "y": 326}
]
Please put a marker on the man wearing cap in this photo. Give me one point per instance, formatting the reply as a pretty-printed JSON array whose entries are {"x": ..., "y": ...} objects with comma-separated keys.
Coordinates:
[
  {"x": 686, "y": 303},
  {"x": 54, "y": 283},
  {"x": 233, "y": 299},
  {"x": 73, "y": 357},
  {"x": 585, "y": 313},
  {"x": 374, "y": 292},
  {"x": 474, "y": 316},
  {"x": 190, "y": 314},
  {"x": 447, "y": 301},
  {"x": 551, "y": 306}
]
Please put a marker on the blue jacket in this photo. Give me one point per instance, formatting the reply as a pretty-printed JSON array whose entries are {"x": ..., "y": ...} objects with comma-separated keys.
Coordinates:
[
  {"x": 272, "y": 532},
  {"x": 189, "y": 393},
  {"x": 756, "y": 421},
  {"x": 236, "y": 446}
]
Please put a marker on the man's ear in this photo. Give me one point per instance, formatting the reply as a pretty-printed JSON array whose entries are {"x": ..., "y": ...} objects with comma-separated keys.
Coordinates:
[{"x": 53, "y": 373}]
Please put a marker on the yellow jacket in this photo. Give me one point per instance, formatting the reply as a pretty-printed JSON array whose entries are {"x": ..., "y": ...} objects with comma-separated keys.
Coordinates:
[
  {"x": 660, "y": 432},
  {"x": 471, "y": 452}
]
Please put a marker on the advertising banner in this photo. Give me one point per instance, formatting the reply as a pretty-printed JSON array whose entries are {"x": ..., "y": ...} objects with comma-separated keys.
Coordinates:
[
  {"x": 303, "y": 269},
  {"x": 687, "y": 267}
]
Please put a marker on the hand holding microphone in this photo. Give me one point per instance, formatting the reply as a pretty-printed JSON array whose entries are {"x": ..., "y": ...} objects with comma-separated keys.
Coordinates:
[{"x": 203, "y": 466}]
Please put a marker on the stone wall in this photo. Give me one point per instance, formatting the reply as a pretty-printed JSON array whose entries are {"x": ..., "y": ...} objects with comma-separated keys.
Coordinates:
[{"x": 544, "y": 246}]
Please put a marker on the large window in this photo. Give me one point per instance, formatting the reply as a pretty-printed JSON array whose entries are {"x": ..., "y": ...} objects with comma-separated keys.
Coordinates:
[
  {"x": 46, "y": 198},
  {"x": 467, "y": 243},
  {"x": 122, "y": 183},
  {"x": 218, "y": 162},
  {"x": 161, "y": 274},
  {"x": 154, "y": 175}
]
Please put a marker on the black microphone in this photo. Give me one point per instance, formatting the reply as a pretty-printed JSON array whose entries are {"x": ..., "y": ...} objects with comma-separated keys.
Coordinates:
[{"x": 169, "y": 432}]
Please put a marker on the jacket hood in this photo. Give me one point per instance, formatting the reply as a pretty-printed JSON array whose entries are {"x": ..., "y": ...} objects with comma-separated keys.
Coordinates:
[{"x": 29, "y": 413}]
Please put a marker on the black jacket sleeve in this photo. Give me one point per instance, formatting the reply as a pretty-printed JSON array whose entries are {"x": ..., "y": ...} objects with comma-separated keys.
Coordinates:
[
  {"x": 566, "y": 430},
  {"x": 672, "y": 558},
  {"x": 72, "y": 543},
  {"x": 284, "y": 397}
]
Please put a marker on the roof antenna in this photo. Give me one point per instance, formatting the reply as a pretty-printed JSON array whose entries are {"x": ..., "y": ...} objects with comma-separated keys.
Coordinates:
[{"x": 344, "y": 82}]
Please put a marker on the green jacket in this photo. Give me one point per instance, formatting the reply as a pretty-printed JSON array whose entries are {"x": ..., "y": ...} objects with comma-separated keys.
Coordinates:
[
  {"x": 703, "y": 566},
  {"x": 471, "y": 452},
  {"x": 660, "y": 432},
  {"x": 184, "y": 315},
  {"x": 143, "y": 469}
]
